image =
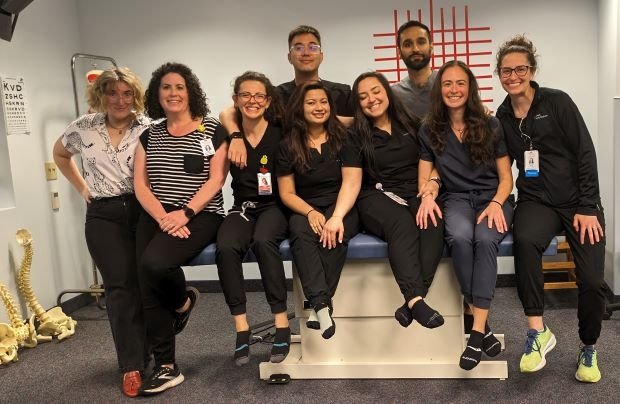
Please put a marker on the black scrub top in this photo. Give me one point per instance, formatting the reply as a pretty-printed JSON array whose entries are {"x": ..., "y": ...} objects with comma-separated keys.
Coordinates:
[
  {"x": 245, "y": 181},
  {"x": 396, "y": 161},
  {"x": 320, "y": 184}
]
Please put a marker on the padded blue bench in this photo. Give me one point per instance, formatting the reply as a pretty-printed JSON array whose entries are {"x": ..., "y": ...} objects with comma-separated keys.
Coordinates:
[
  {"x": 362, "y": 246},
  {"x": 369, "y": 343}
]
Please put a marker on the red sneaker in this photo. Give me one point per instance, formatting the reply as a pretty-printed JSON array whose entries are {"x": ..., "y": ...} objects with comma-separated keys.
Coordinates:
[{"x": 131, "y": 383}]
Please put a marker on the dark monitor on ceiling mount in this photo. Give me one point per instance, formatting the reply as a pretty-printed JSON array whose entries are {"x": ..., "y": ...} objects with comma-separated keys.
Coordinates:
[{"x": 9, "y": 11}]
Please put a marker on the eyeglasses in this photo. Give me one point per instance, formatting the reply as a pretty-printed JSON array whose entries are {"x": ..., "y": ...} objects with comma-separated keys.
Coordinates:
[
  {"x": 519, "y": 70},
  {"x": 128, "y": 96},
  {"x": 300, "y": 49},
  {"x": 258, "y": 97}
]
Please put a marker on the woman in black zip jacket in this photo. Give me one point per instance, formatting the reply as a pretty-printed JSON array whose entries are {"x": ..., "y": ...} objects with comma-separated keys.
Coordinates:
[{"x": 558, "y": 192}]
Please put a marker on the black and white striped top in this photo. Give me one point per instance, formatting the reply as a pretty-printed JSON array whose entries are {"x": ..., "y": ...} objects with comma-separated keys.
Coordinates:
[{"x": 177, "y": 167}]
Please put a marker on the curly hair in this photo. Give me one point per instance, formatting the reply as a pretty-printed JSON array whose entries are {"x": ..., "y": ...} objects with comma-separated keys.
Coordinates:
[
  {"x": 96, "y": 92},
  {"x": 362, "y": 125},
  {"x": 296, "y": 128},
  {"x": 478, "y": 137},
  {"x": 196, "y": 96},
  {"x": 518, "y": 43},
  {"x": 275, "y": 113}
]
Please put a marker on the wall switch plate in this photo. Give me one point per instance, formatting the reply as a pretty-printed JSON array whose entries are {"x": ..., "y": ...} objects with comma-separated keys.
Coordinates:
[
  {"x": 51, "y": 171},
  {"x": 55, "y": 201}
]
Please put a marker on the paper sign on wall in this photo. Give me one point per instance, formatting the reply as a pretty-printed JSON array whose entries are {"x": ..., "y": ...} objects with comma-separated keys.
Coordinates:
[{"x": 15, "y": 106}]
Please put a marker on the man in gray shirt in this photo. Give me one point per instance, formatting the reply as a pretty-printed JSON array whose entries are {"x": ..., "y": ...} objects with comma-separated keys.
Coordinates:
[{"x": 415, "y": 48}]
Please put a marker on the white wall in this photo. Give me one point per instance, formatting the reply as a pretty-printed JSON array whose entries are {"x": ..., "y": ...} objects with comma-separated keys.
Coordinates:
[
  {"x": 45, "y": 38},
  {"x": 220, "y": 40},
  {"x": 608, "y": 87}
]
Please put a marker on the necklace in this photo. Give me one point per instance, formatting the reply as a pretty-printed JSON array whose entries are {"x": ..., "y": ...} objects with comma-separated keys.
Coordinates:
[
  {"x": 121, "y": 129},
  {"x": 457, "y": 131}
]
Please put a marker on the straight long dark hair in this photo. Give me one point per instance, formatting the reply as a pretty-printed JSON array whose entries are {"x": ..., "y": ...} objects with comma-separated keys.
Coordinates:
[
  {"x": 478, "y": 137},
  {"x": 362, "y": 126},
  {"x": 296, "y": 128}
]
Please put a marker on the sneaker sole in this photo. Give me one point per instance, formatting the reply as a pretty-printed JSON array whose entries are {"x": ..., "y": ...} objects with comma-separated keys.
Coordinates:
[
  {"x": 169, "y": 384},
  {"x": 586, "y": 380},
  {"x": 543, "y": 362},
  {"x": 597, "y": 379}
]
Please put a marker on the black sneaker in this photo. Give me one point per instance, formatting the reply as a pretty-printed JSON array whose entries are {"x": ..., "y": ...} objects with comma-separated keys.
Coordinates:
[
  {"x": 161, "y": 380},
  {"x": 181, "y": 319}
]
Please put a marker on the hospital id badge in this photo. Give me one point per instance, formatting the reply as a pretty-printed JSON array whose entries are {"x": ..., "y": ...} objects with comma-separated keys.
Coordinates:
[
  {"x": 264, "y": 183},
  {"x": 207, "y": 147},
  {"x": 530, "y": 158}
]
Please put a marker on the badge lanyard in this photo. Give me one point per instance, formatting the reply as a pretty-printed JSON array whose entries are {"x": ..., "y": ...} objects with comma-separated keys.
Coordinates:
[
  {"x": 264, "y": 177},
  {"x": 530, "y": 156}
]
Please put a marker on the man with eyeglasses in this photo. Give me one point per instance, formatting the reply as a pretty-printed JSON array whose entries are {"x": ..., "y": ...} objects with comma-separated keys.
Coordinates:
[
  {"x": 415, "y": 48},
  {"x": 305, "y": 54}
]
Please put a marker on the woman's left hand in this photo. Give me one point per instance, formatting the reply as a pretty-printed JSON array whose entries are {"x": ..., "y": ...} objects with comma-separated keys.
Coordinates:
[
  {"x": 590, "y": 225},
  {"x": 428, "y": 208},
  {"x": 332, "y": 230},
  {"x": 430, "y": 188},
  {"x": 173, "y": 221},
  {"x": 495, "y": 216}
]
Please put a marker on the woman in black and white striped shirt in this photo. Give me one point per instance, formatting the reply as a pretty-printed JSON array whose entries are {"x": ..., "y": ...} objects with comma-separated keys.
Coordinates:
[{"x": 180, "y": 169}]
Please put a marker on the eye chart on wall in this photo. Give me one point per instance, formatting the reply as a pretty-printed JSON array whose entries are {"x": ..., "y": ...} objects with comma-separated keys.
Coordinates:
[{"x": 14, "y": 106}]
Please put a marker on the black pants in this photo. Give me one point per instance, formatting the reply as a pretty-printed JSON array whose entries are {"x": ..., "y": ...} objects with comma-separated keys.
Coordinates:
[
  {"x": 319, "y": 268},
  {"x": 413, "y": 253},
  {"x": 162, "y": 281},
  {"x": 111, "y": 240},
  {"x": 262, "y": 229},
  {"x": 535, "y": 225}
]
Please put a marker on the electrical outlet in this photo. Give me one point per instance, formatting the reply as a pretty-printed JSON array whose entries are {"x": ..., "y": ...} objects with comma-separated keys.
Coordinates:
[
  {"x": 51, "y": 171},
  {"x": 55, "y": 201}
]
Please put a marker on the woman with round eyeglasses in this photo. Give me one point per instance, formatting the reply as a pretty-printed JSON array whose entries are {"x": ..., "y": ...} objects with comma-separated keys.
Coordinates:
[
  {"x": 106, "y": 141},
  {"x": 257, "y": 219},
  {"x": 312, "y": 183},
  {"x": 558, "y": 192},
  {"x": 467, "y": 147}
]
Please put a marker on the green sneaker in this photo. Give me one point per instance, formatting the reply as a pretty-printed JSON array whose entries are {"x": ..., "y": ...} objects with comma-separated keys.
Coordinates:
[
  {"x": 537, "y": 345},
  {"x": 587, "y": 366}
]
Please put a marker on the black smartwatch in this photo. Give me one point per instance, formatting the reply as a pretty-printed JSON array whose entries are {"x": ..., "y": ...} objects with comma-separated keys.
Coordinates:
[
  {"x": 189, "y": 212},
  {"x": 235, "y": 135}
]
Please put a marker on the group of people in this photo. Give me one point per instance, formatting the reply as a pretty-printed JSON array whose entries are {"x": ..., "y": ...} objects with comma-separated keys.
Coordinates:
[{"x": 417, "y": 164}]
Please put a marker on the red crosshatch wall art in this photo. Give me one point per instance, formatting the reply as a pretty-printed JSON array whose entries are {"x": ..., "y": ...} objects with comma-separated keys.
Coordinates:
[{"x": 453, "y": 38}]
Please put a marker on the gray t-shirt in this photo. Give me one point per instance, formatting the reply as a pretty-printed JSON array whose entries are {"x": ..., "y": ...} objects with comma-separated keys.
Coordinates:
[{"x": 417, "y": 100}]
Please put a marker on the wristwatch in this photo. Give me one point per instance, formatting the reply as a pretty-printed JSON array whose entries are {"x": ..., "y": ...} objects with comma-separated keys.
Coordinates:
[
  {"x": 235, "y": 135},
  {"x": 437, "y": 180},
  {"x": 189, "y": 212}
]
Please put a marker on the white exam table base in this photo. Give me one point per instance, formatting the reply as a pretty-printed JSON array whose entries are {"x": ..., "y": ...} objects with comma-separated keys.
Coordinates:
[{"x": 370, "y": 344}]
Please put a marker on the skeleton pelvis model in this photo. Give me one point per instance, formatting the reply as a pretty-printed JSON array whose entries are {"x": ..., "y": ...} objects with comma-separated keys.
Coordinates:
[
  {"x": 49, "y": 324},
  {"x": 52, "y": 323}
]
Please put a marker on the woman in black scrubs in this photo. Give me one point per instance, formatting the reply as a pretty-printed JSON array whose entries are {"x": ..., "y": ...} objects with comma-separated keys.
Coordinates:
[
  {"x": 257, "y": 218},
  {"x": 311, "y": 179},
  {"x": 385, "y": 147}
]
